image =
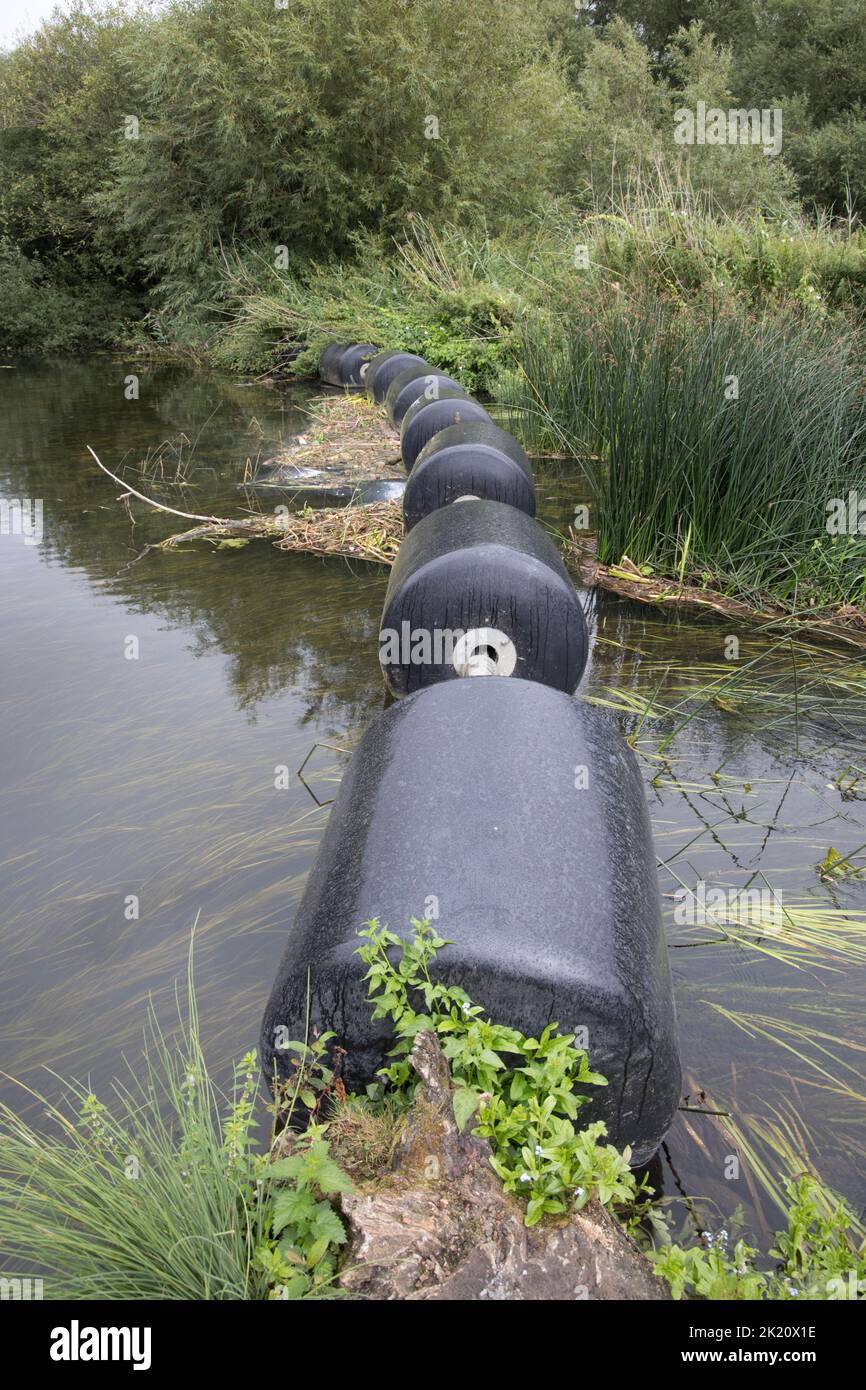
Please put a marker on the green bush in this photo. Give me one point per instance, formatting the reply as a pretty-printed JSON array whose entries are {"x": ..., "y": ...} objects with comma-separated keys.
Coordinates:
[
  {"x": 439, "y": 295},
  {"x": 41, "y": 313},
  {"x": 64, "y": 96}
]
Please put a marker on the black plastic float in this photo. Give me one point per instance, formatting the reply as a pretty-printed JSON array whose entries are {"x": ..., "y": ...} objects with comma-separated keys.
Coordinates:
[
  {"x": 353, "y": 362},
  {"x": 478, "y": 432},
  {"x": 424, "y": 419},
  {"x": 506, "y": 810},
  {"x": 341, "y": 364},
  {"x": 472, "y": 459},
  {"x": 480, "y": 568},
  {"x": 384, "y": 367},
  {"x": 329, "y": 363},
  {"x": 411, "y": 384},
  {"x": 517, "y": 816}
]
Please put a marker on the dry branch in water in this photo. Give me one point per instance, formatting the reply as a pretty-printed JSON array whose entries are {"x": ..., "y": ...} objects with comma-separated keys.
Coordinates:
[{"x": 374, "y": 531}]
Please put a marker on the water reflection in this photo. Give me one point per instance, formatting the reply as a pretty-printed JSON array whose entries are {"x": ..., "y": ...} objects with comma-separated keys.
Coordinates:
[{"x": 156, "y": 778}]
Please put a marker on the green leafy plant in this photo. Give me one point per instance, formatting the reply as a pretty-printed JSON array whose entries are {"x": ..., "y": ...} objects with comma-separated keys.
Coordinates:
[
  {"x": 522, "y": 1088},
  {"x": 299, "y": 1257},
  {"x": 165, "y": 1192},
  {"x": 712, "y": 1274},
  {"x": 816, "y": 1256}
]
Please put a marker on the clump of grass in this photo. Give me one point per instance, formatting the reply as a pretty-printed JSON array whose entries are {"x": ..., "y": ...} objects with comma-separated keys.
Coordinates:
[
  {"x": 143, "y": 1198},
  {"x": 713, "y": 443},
  {"x": 363, "y": 1134},
  {"x": 165, "y": 1193}
]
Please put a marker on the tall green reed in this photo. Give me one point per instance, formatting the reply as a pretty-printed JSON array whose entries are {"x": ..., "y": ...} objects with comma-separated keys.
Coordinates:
[{"x": 713, "y": 442}]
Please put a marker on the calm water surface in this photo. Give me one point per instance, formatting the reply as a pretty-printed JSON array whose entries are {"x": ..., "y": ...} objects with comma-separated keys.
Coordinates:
[{"x": 155, "y": 777}]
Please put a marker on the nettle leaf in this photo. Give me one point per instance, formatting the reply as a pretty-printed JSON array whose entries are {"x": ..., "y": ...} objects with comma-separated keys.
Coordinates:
[
  {"x": 329, "y": 1177},
  {"x": 293, "y": 1206},
  {"x": 287, "y": 1167},
  {"x": 294, "y": 1287},
  {"x": 465, "y": 1102},
  {"x": 328, "y": 1225}
]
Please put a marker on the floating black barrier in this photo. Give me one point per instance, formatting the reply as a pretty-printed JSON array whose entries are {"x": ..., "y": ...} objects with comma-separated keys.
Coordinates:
[
  {"x": 516, "y": 817},
  {"x": 384, "y": 367},
  {"x": 329, "y": 363},
  {"x": 411, "y": 384},
  {"x": 479, "y": 588},
  {"x": 340, "y": 364},
  {"x": 478, "y": 432},
  {"x": 424, "y": 419},
  {"x": 443, "y": 475},
  {"x": 352, "y": 362}
]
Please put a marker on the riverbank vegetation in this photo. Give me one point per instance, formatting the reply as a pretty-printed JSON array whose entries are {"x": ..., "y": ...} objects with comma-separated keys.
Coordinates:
[
  {"x": 167, "y": 1192},
  {"x": 724, "y": 439},
  {"x": 499, "y": 188},
  {"x": 240, "y": 181},
  {"x": 244, "y": 163}
]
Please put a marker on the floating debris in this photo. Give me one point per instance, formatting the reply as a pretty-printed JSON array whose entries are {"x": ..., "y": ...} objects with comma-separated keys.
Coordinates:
[
  {"x": 847, "y": 624},
  {"x": 349, "y": 442}
]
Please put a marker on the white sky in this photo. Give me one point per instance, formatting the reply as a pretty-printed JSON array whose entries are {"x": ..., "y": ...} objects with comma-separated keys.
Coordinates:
[{"x": 21, "y": 17}]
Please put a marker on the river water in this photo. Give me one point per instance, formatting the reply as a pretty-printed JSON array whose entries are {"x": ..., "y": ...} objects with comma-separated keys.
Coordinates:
[{"x": 148, "y": 700}]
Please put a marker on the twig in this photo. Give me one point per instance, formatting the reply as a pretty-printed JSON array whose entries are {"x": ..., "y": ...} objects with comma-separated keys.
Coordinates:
[{"x": 188, "y": 516}]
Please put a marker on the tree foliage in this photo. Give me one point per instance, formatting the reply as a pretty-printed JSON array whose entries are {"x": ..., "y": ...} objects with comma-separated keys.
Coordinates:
[{"x": 142, "y": 145}]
